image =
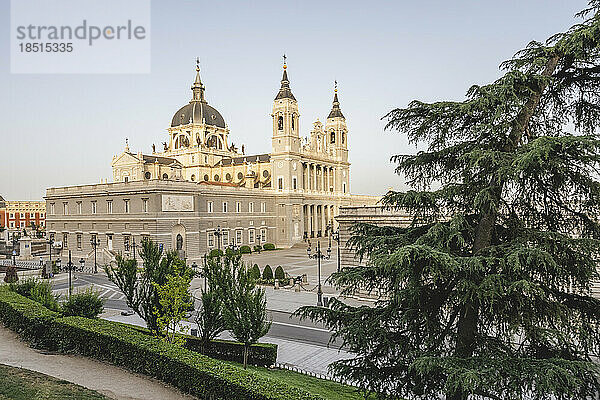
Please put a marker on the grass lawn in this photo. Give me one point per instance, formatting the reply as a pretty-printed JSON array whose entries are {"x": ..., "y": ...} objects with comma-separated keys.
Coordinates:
[
  {"x": 327, "y": 389},
  {"x": 22, "y": 384}
]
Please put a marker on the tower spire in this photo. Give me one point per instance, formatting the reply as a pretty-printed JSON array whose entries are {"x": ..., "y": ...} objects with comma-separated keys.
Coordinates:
[
  {"x": 285, "y": 92},
  {"x": 335, "y": 110},
  {"x": 197, "y": 86}
]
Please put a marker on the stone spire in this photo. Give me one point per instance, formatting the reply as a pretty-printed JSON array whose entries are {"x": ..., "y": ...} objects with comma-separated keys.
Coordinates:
[
  {"x": 198, "y": 87},
  {"x": 285, "y": 92},
  {"x": 335, "y": 110}
]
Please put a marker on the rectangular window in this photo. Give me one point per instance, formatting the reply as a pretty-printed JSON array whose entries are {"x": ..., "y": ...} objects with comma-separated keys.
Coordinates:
[
  {"x": 109, "y": 206},
  {"x": 126, "y": 241},
  {"x": 344, "y": 187},
  {"x": 238, "y": 237},
  {"x": 263, "y": 235},
  {"x": 94, "y": 207},
  {"x": 22, "y": 215},
  {"x": 251, "y": 235},
  {"x": 225, "y": 238},
  {"x": 41, "y": 215},
  {"x": 12, "y": 215},
  {"x": 65, "y": 208},
  {"x": 52, "y": 212},
  {"x": 41, "y": 223},
  {"x": 79, "y": 240},
  {"x": 263, "y": 207},
  {"x": 145, "y": 205},
  {"x": 126, "y": 206},
  {"x": 294, "y": 183},
  {"x": 65, "y": 237},
  {"x": 280, "y": 183},
  {"x": 12, "y": 224},
  {"x": 209, "y": 206},
  {"x": 22, "y": 224},
  {"x": 210, "y": 239},
  {"x": 238, "y": 207},
  {"x": 79, "y": 207},
  {"x": 224, "y": 206},
  {"x": 251, "y": 207}
]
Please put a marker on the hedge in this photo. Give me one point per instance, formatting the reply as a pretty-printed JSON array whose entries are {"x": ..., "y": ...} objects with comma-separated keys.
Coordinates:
[
  {"x": 187, "y": 370},
  {"x": 260, "y": 354},
  {"x": 121, "y": 345},
  {"x": 26, "y": 317},
  {"x": 245, "y": 249},
  {"x": 269, "y": 246}
]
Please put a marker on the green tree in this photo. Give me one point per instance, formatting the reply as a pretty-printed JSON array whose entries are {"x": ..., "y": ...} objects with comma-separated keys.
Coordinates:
[
  {"x": 246, "y": 311},
  {"x": 255, "y": 272},
  {"x": 279, "y": 274},
  {"x": 210, "y": 318},
  {"x": 267, "y": 273},
  {"x": 139, "y": 288},
  {"x": 488, "y": 291},
  {"x": 244, "y": 304},
  {"x": 173, "y": 297}
]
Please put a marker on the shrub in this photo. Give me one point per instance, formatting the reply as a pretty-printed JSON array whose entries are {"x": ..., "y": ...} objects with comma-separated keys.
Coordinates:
[
  {"x": 279, "y": 274},
  {"x": 41, "y": 292},
  {"x": 216, "y": 253},
  {"x": 189, "y": 371},
  {"x": 269, "y": 246},
  {"x": 26, "y": 317},
  {"x": 11, "y": 274},
  {"x": 23, "y": 287},
  {"x": 87, "y": 304},
  {"x": 267, "y": 273},
  {"x": 255, "y": 272},
  {"x": 257, "y": 248},
  {"x": 245, "y": 249},
  {"x": 260, "y": 354}
]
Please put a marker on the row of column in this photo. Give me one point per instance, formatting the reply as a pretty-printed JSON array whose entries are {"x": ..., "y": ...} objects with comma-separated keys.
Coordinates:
[
  {"x": 318, "y": 177},
  {"x": 316, "y": 219}
]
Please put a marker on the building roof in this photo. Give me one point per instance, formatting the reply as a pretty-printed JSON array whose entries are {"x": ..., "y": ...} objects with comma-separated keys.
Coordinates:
[
  {"x": 285, "y": 92},
  {"x": 245, "y": 159},
  {"x": 161, "y": 160},
  {"x": 218, "y": 183},
  {"x": 198, "y": 112},
  {"x": 335, "y": 110}
]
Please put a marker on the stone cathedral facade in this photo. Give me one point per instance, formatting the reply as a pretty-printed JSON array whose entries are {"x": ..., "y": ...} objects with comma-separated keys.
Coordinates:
[{"x": 198, "y": 183}]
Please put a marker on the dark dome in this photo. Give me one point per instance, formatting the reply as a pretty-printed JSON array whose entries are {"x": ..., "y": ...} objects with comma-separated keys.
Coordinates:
[{"x": 197, "y": 110}]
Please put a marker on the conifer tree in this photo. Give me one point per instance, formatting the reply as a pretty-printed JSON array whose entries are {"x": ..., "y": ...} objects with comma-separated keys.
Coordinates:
[{"x": 486, "y": 295}]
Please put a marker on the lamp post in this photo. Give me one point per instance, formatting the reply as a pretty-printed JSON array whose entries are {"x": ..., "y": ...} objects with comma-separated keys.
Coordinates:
[
  {"x": 95, "y": 242},
  {"x": 51, "y": 243},
  {"x": 335, "y": 235},
  {"x": 71, "y": 267},
  {"x": 14, "y": 254},
  {"x": 218, "y": 234},
  {"x": 134, "y": 246},
  {"x": 319, "y": 255},
  {"x": 205, "y": 271}
]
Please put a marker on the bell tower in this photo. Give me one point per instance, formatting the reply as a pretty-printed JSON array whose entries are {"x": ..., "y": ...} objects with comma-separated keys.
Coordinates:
[
  {"x": 336, "y": 134},
  {"x": 286, "y": 126}
]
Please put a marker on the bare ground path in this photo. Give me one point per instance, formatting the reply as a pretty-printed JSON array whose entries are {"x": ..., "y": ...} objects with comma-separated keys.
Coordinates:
[{"x": 107, "y": 379}]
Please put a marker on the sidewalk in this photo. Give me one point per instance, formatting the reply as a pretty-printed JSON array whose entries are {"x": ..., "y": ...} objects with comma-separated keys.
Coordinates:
[{"x": 111, "y": 381}]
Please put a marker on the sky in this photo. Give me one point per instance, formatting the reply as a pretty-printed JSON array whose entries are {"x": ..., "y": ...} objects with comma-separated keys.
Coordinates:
[{"x": 63, "y": 129}]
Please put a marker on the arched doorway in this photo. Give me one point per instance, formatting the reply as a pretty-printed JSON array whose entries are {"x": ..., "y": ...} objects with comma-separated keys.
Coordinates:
[{"x": 178, "y": 239}]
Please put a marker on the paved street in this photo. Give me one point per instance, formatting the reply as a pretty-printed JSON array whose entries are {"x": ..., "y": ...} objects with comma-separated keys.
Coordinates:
[{"x": 303, "y": 344}]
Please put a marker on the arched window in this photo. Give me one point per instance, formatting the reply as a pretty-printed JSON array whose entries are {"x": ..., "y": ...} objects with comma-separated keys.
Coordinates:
[
  {"x": 206, "y": 178},
  {"x": 165, "y": 176},
  {"x": 147, "y": 175},
  {"x": 214, "y": 142},
  {"x": 280, "y": 123},
  {"x": 179, "y": 242},
  {"x": 293, "y": 124},
  {"x": 193, "y": 178},
  {"x": 240, "y": 175},
  {"x": 217, "y": 178},
  {"x": 228, "y": 176},
  {"x": 332, "y": 137},
  {"x": 343, "y": 137}
]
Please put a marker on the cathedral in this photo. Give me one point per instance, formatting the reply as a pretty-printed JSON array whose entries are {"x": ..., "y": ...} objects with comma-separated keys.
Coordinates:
[{"x": 206, "y": 184}]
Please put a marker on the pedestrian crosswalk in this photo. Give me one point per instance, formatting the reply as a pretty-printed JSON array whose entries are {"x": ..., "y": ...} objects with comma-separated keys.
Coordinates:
[{"x": 105, "y": 291}]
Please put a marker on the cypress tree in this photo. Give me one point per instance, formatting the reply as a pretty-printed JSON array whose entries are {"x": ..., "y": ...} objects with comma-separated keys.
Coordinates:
[{"x": 486, "y": 295}]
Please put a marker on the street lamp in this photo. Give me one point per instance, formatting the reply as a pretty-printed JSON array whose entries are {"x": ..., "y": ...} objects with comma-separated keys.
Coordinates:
[
  {"x": 95, "y": 242},
  {"x": 335, "y": 235},
  {"x": 14, "y": 254},
  {"x": 319, "y": 256},
  {"x": 134, "y": 246},
  {"x": 72, "y": 267},
  {"x": 218, "y": 234},
  {"x": 51, "y": 243}
]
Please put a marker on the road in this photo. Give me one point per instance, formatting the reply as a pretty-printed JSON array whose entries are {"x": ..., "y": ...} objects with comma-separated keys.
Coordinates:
[{"x": 284, "y": 325}]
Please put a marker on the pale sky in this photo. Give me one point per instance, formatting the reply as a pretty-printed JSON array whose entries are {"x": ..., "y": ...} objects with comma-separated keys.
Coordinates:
[{"x": 62, "y": 130}]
